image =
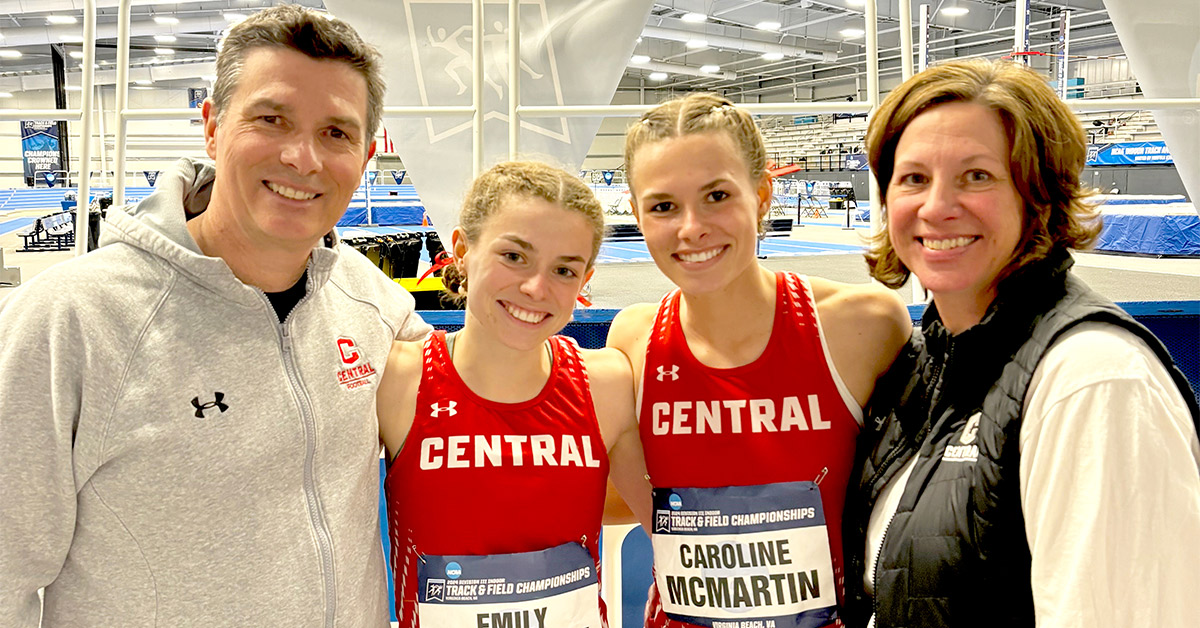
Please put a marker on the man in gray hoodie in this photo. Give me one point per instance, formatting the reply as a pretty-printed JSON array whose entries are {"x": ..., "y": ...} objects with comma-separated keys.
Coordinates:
[{"x": 187, "y": 426}]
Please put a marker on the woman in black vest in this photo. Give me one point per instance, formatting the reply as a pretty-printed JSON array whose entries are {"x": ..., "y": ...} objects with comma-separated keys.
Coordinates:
[{"x": 1036, "y": 462}]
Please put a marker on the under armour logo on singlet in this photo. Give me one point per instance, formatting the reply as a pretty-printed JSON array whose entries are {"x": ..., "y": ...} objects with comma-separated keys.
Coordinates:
[
  {"x": 450, "y": 407},
  {"x": 673, "y": 373}
]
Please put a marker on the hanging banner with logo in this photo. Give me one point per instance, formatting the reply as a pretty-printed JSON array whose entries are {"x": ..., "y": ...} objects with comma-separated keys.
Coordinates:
[
  {"x": 398, "y": 175},
  {"x": 1128, "y": 154},
  {"x": 39, "y": 150},
  {"x": 151, "y": 176},
  {"x": 856, "y": 161},
  {"x": 572, "y": 53},
  {"x": 196, "y": 97},
  {"x": 50, "y": 178}
]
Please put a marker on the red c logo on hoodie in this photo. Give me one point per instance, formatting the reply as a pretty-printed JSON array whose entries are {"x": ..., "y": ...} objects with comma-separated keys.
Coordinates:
[{"x": 347, "y": 350}]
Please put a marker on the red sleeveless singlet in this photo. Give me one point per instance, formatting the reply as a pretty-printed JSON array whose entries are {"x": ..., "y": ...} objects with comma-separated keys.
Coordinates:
[
  {"x": 784, "y": 417},
  {"x": 479, "y": 477}
]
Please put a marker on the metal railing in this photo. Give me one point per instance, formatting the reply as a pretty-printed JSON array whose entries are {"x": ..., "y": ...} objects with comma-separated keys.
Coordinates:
[{"x": 516, "y": 111}]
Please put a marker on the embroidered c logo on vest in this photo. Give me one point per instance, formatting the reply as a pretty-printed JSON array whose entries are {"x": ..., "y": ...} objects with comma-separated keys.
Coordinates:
[{"x": 969, "y": 432}]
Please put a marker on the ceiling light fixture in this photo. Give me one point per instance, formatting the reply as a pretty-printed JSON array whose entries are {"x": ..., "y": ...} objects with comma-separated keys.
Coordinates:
[
  {"x": 694, "y": 18},
  {"x": 71, "y": 39},
  {"x": 234, "y": 17},
  {"x": 639, "y": 59},
  {"x": 710, "y": 69},
  {"x": 772, "y": 56},
  {"x": 658, "y": 76},
  {"x": 10, "y": 54},
  {"x": 165, "y": 39},
  {"x": 61, "y": 19},
  {"x": 768, "y": 26},
  {"x": 5, "y": 94},
  {"x": 164, "y": 51},
  {"x": 694, "y": 44},
  {"x": 856, "y": 3},
  {"x": 75, "y": 54},
  {"x": 74, "y": 88},
  {"x": 955, "y": 11},
  {"x": 142, "y": 82},
  {"x": 163, "y": 19},
  {"x": 851, "y": 33}
]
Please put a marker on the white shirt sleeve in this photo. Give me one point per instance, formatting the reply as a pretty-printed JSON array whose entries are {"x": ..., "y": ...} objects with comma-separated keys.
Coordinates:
[{"x": 1110, "y": 486}]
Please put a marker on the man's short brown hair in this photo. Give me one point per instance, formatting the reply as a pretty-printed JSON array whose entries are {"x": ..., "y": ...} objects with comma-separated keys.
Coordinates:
[{"x": 312, "y": 33}]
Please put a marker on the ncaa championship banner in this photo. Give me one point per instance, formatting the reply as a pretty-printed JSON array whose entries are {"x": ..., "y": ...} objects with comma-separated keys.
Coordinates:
[
  {"x": 573, "y": 52},
  {"x": 39, "y": 148},
  {"x": 1128, "y": 154}
]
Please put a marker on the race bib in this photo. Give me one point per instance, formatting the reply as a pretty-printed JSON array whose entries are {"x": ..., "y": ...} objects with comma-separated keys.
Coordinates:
[
  {"x": 552, "y": 588},
  {"x": 744, "y": 556}
]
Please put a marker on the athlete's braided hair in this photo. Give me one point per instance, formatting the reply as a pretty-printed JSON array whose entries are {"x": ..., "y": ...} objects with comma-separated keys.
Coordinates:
[{"x": 698, "y": 113}]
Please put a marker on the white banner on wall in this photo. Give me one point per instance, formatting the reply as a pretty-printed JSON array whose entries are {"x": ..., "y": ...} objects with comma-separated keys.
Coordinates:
[
  {"x": 1162, "y": 40},
  {"x": 572, "y": 53}
]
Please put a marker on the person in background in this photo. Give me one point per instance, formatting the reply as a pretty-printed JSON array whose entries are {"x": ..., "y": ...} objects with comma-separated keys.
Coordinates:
[
  {"x": 502, "y": 435},
  {"x": 750, "y": 382},
  {"x": 1038, "y": 464},
  {"x": 187, "y": 413}
]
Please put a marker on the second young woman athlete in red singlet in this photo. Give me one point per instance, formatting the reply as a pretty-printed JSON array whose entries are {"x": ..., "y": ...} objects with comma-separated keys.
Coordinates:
[
  {"x": 750, "y": 382},
  {"x": 502, "y": 433}
]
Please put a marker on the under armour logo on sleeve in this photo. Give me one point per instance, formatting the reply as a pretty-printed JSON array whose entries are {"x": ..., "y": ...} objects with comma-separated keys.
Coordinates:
[{"x": 218, "y": 403}]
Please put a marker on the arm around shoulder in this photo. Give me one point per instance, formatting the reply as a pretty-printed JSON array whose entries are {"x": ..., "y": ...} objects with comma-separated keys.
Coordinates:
[
  {"x": 611, "y": 381},
  {"x": 396, "y": 399}
]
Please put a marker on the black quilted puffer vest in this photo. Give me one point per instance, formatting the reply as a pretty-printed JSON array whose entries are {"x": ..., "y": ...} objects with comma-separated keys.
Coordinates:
[{"x": 955, "y": 554}]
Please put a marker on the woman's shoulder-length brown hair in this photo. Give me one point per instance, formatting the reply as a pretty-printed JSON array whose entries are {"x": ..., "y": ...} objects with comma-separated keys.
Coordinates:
[{"x": 1048, "y": 149}]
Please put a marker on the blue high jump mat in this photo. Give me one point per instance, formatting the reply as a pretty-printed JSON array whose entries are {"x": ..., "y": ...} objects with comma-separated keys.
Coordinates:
[
  {"x": 1155, "y": 229},
  {"x": 636, "y": 251}
]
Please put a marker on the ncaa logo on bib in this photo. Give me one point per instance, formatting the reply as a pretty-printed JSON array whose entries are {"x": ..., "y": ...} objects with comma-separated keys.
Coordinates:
[
  {"x": 675, "y": 501},
  {"x": 453, "y": 570},
  {"x": 435, "y": 590}
]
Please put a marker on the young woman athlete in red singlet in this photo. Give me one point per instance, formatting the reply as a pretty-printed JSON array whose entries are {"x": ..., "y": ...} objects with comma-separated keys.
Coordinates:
[
  {"x": 750, "y": 383},
  {"x": 501, "y": 434}
]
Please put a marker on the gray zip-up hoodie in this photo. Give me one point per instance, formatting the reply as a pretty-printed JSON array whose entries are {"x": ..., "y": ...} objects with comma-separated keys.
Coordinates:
[{"x": 172, "y": 455}]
